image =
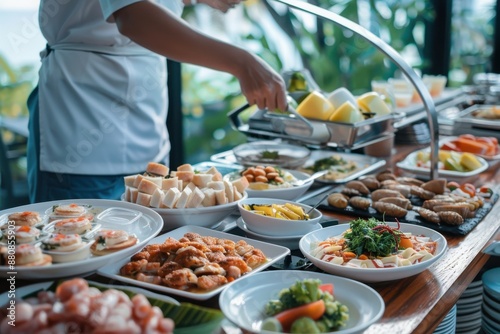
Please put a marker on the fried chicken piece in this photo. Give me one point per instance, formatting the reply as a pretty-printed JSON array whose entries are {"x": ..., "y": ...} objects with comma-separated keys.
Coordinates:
[
  {"x": 168, "y": 267},
  {"x": 254, "y": 258},
  {"x": 210, "y": 282},
  {"x": 181, "y": 279},
  {"x": 210, "y": 269},
  {"x": 190, "y": 257}
]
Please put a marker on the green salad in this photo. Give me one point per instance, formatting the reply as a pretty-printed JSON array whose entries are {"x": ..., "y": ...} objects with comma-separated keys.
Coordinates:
[{"x": 308, "y": 306}]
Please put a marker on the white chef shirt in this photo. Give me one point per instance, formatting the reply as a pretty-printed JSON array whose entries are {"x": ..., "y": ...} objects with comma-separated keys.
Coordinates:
[{"x": 102, "y": 98}]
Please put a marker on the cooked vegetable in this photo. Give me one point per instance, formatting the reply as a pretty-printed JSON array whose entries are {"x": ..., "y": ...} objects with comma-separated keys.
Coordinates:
[
  {"x": 304, "y": 325},
  {"x": 372, "y": 237},
  {"x": 307, "y": 299},
  {"x": 313, "y": 310}
]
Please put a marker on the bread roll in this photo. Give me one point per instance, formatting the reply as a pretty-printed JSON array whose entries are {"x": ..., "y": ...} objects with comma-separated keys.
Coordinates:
[
  {"x": 147, "y": 186},
  {"x": 143, "y": 199},
  {"x": 155, "y": 168},
  {"x": 156, "y": 198},
  {"x": 171, "y": 197}
]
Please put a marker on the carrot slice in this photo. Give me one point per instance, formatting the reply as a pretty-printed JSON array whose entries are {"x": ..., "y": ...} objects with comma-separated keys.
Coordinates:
[
  {"x": 405, "y": 243},
  {"x": 471, "y": 146},
  {"x": 327, "y": 287},
  {"x": 312, "y": 310}
]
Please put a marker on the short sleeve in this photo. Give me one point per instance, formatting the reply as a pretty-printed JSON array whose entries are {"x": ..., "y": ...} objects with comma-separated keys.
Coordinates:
[{"x": 110, "y": 6}]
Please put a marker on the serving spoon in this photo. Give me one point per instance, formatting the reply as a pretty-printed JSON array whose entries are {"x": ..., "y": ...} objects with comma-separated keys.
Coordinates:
[{"x": 316, "y": 175}]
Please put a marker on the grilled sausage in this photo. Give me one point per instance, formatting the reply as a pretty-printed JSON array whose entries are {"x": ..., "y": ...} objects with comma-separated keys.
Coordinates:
[
  {"x": 382, "y": 193},
  {"x": 389, "y": 209},
  {"x": 428, "y": 215},
  {"x": 359, "y": 186},
  {"x": 401, "y": 202},
  {"x": 359, "y": 202},
  {"x": 338, "y": 200},
  {"x": 451, "y": 218}
]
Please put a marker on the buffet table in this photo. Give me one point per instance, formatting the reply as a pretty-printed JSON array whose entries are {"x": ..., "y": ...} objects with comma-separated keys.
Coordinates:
[{"x": 416, "y": 304}]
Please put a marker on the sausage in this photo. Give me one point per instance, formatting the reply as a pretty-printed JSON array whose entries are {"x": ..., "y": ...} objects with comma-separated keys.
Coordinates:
[
  {"x": 428, "y": 215},
  {"x": 461, "y": 209},
  {"x": 382, "y": 193},
  {"x": 401, "y": 202},
  {"x": 338, "y": 200},
  {"x": 410, "y": 181},
  {"x": 359, "y": 202},
  {"x": 359, "y": 186},
  {"x": 431, "y": 203},
  {"x": 389, "y": 209},
  {"x": 403, "y": 189},
  {"x": 371, "y": 183},
  {"x": 349, "y": 192},
  {"x": 422, "y": 193},
  {"x": 451, "y": 218},
  {"x": 387, "y": 175}
]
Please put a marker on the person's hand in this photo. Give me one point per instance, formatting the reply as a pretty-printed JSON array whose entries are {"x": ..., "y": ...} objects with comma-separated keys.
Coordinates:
[
  {"x": 222, "y": 5},
  {"x": 262, "y": 86}
]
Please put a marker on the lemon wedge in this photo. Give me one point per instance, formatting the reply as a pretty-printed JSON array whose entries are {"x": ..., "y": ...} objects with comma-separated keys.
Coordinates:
[
  {"x": 346, "y": 113},
  {"x": 373, "y": 102},
  {"x": 315, "y": 106}
]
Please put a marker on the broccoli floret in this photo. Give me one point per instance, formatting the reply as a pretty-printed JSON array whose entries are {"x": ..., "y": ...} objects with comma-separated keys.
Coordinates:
[
  {"x": 336, "y": 315},
  {"x": 273, "y": 307},
  {"x": 306, "y": 291},
  {"x": 304, "y": 325}
]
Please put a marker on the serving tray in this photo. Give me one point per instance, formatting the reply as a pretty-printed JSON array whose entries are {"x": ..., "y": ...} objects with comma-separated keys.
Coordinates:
[{"x": 411, "y": 217}]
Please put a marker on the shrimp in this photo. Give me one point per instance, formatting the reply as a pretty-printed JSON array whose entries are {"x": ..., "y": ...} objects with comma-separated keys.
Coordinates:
[
  {"x": 140, "y": 306},
  {"x": 71, "y": 287},
  {"x": 192, "y": 236},
  {"x": 208, "y": 240},
  {"x": 210, "y": 282},
  {"x": 180, "y": 279}
]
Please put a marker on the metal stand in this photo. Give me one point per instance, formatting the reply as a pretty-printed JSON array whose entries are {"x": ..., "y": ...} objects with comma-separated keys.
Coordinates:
[{"x": 398, "y": 61}]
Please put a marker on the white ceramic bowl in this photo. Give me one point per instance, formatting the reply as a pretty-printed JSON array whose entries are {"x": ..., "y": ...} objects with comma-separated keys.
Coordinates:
[
  {"x": 210, "y": 216},
  {"x": 371, "y": 274},
  {"x": 243, "y": 302},
  {"x": 275, "y": 226},
  {"x": 290, "y": 193}
]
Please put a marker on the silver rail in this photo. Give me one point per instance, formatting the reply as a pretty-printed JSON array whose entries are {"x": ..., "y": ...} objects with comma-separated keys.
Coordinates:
[{"x": 393, "y": 55}]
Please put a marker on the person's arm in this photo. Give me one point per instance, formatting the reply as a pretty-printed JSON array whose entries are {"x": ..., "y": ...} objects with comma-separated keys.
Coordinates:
[{"x": 160, "y": 31}]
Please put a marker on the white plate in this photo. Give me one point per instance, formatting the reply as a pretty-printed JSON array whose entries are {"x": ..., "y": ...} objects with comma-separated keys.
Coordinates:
[
  {"x": 29, "y": 289},
  {"x": 409, "y": 164},
  {"x": 273, "y": 252},
  {"x": 243, "y": 302},
  {"x": 372, "y": 274},
  {"x": 291, "y": 193},
  {"x": 291, "y": 242},
  {"x": 147, "y": 227}
]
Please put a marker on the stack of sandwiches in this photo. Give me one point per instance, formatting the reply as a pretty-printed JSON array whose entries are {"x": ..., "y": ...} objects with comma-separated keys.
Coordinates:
[{"x": 159, "y": 187}]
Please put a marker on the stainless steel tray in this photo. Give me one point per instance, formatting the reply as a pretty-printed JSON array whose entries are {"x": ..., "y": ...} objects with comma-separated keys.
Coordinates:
[
  {"x": 467, "y": 123},
  {"x": 365, "y": 164},
  {"x": 269, "y": 125}
]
